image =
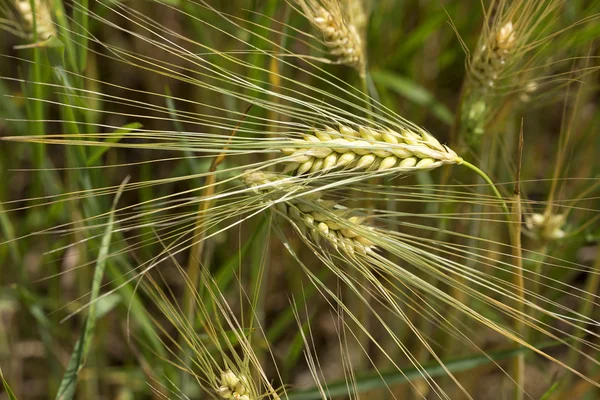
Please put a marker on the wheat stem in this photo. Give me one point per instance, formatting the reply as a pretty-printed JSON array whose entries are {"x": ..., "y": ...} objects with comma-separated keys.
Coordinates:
[
  {"x": 491, "y": 183},
  {"x": 518, "y": 280}
]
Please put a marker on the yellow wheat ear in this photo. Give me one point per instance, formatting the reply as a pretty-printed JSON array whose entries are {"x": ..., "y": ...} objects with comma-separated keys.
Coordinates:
[
  {"x": 364, "y": 148},
  {"x": 341, "y": 27}
]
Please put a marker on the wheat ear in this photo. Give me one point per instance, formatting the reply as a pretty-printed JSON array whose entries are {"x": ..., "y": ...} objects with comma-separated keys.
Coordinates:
[
  {"x": 339, "y": 35},
  {"x": 365, "y": 148},
  {"x": 323, "y": 218}
]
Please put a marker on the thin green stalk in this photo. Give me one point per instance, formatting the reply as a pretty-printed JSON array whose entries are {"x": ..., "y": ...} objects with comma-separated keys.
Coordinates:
[
  {"x": 80, "y": 15},
  {"x": 492, "y": 186},
  {"x": 540, "y": 257},
  {"x": 37, "y": 110}
]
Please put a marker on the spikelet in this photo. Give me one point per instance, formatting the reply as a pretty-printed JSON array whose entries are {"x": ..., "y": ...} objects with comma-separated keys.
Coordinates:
[
  {"x": 43, "y": 18},
  {"x": 233, "y": 386},
  {"x": 357, "y": 12},
  {"x": 546, "y": 227},
  {"x": 486, "y": 67},
  {"x": 323, "y": 218},
  {"x": 490, "y": 59},
  {"x": 340, "y": 34},
  {"x": 527, "y": 90},
  {"x": 368, "y": 149}
]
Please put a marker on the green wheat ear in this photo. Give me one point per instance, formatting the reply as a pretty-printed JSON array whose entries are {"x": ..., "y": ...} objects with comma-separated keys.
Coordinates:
[{"x": 511, "y": 60}]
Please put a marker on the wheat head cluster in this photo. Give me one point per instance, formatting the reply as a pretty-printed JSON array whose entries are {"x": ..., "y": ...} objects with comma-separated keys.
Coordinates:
[{"x": 229, "y": 200}]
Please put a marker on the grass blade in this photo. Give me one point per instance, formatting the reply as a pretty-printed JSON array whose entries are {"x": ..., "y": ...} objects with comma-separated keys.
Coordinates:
[
  {"x": 414, "y": 92},
  {"x": 379, "y": 381},
  {"x": 118, "y": 134},
  {"x": 66, "y": 390},
  {"x": 10, "y": 394}
]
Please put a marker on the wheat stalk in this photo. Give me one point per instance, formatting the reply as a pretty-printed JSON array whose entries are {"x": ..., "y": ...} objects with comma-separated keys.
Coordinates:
[{"x": 368, "y": 149}]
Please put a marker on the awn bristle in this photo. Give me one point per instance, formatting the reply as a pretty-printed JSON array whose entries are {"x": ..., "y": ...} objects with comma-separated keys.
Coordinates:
[
  {"x": 45, "y": 26},
  {"x": 323, "y": 218},
  {"x": 546, "y": 227},
  {"x": 405, "y": 151},
  {"x": 342, "y": 37}
]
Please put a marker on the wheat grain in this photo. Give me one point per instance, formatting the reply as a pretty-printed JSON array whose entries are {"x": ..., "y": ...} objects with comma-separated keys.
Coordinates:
[
  {"x": 323, "y": 218},
  {"x": 369, "y": 149}
]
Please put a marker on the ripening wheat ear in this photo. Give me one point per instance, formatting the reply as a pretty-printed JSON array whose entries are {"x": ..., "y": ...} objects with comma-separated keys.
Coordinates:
[
  {"x": 225, "y": 364},
  {"x": 342, "y": 29},
  {"x": 509, "y": 63},
  {"x": 323, "y": 218},
  {"x": 366, "y": 148}
]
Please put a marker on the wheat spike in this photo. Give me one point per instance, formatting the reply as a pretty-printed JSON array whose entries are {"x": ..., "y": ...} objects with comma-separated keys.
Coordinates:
[
  {"x": 369, "y": 149},
  {"x": 323, "y": 218},
  {"x": 341, "y": 36}
]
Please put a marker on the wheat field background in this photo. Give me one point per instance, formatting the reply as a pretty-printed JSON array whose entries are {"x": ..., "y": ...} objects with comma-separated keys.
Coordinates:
[{"x": 299, "y": 199}]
